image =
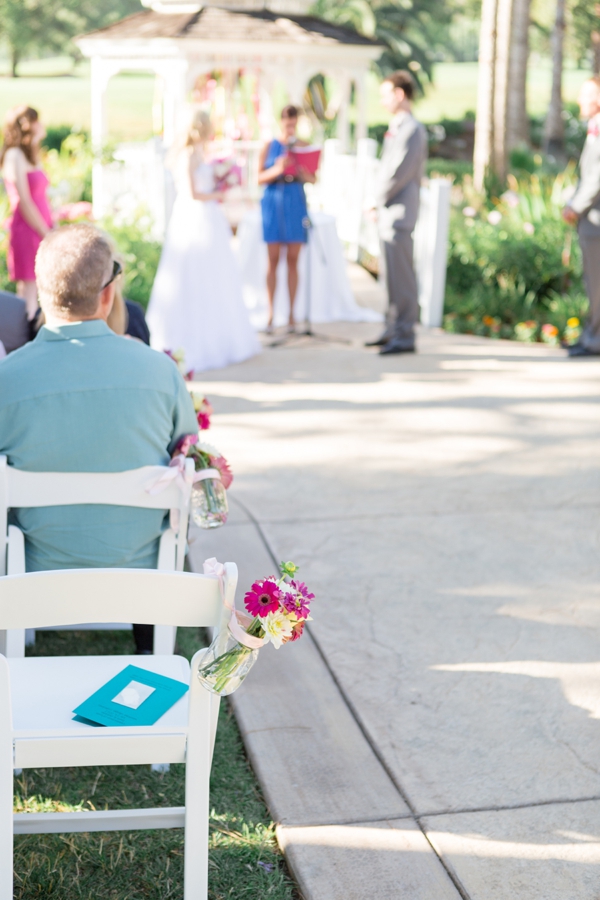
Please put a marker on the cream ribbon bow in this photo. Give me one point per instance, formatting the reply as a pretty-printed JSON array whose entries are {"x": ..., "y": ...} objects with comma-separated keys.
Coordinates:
[
  {"x": 176, "y": 472},
  {"x": 217, "y": 570}
]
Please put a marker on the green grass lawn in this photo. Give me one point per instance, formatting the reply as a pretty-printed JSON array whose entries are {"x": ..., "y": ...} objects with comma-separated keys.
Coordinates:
[
  {"x": 62, "y": 94},
  {"x": 245, "y": 863}
]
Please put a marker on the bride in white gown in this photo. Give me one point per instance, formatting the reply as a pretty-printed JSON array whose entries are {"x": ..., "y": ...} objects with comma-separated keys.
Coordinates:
[{"x": 196, "y": 303}]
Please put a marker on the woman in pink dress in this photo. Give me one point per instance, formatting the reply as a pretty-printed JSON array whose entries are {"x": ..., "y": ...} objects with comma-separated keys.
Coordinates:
[{"x": 26, "y": 186}]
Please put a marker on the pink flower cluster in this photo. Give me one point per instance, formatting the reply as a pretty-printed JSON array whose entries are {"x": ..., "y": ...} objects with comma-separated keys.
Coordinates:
[
  {"x": 203, "y": 411},
  {"x": 74, "y": 212},
  {"x": 178, "y": 358},
  {"x": 289, "y": 602}
]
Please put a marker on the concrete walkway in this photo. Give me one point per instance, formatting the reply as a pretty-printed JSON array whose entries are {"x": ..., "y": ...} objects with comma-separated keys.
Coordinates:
[{"x": 436, "y": 735}]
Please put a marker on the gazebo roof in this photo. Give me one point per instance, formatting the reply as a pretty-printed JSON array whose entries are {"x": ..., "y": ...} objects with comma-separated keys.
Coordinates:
[{"x": 218, "y": 24}]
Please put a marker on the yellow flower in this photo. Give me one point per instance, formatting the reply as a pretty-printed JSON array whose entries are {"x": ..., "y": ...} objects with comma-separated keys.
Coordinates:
[{"x": 573, "y": 322}]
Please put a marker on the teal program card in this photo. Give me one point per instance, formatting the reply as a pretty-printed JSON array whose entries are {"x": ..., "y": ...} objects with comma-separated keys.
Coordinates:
[{"x": 133, "y": 697}]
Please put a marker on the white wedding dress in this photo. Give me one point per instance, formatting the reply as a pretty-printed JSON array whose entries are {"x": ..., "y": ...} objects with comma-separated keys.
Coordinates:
[{"x": 197, "y": 304}]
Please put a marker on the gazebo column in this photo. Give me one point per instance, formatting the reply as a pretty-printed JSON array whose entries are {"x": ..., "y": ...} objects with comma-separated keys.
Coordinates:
[
  {"x": 343, "y": 120},
  {"x": 266, "y": 115},
  {"x": 175, "y": 86},
  {"x": 360, "y": 89},
  {"x": 101, "y": 72},
  {"x": 296, "y": 79}
]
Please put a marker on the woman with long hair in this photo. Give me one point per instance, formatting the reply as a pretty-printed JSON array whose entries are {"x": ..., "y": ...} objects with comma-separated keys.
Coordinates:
[
  {"x": 196, "y": 304},
  {"x": 284, "y": 212},
  {"x": 26, "y": 186}
]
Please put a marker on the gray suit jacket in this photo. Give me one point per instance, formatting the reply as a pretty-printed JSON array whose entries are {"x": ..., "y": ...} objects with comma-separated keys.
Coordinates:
[
  {"x": 14, "y": 331},
  {"x": 586, "y": 199},
  {"x": 398, "y": 184}
]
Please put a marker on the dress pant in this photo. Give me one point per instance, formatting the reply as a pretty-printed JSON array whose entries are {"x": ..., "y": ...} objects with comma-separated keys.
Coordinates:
[
  {"x": 590, "y": 251},
  {"x": 396, "y": 260},
  {"x": 144, "y": 638}
]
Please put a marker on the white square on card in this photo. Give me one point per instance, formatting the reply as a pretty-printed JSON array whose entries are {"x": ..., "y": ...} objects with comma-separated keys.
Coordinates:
[{"x": 133, "y": 694}]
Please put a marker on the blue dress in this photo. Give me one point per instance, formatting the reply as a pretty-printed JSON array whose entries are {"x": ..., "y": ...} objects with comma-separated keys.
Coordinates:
[{"x": 283, "y": 205}]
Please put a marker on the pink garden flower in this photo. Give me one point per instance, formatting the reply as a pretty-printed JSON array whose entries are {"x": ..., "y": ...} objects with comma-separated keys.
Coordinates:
[
  {"x": 75, "y": 212},
  {"x": 183, "y": 444},
  {"x": 203, "y": 411},
  {"x": 262, "y": 599},
  {"x": 297, "y": 630},
  {"x": 220, "y": 463}
]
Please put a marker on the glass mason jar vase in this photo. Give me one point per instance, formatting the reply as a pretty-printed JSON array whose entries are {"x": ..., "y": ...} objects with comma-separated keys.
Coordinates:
[
  {"x": 209, "y": 503},
  {"x": 223, "y": 668}
]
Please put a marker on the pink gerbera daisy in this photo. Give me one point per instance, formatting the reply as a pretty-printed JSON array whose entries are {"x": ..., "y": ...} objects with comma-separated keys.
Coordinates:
[
  {"x": 262, "y": 599},
  {"x": 220, "y": 463}
]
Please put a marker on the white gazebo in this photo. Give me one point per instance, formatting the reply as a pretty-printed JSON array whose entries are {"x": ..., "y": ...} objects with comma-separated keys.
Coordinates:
[{"x": 182, "y": 42}]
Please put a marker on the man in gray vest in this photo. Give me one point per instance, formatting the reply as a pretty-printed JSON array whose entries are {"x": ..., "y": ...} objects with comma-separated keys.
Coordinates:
[
  {"x": 397, "y": 206},
  {"x": 583, "y": 210}
]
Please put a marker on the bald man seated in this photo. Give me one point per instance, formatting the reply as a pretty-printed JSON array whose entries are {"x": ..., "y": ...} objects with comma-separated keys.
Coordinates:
[{"x": 80, "y": 398}]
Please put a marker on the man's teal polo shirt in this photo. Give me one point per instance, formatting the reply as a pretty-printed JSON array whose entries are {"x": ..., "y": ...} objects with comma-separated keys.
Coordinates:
[{"x": 80, "y": 398}]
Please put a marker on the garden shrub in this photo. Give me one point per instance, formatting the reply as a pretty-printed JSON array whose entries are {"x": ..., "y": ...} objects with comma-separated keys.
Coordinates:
[
  {"x": 456, "y": 169},
  {"x": 140, "y": 252},
  {"x": 515, "y": 268}
]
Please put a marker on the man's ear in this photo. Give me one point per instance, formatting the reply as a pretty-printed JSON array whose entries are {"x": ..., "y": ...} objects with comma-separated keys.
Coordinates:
[{"x": 107, "y": 298}]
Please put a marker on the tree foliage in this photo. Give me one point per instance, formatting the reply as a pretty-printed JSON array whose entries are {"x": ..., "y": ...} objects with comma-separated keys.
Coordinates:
[
  {"x": 585, "y": 18},
  {"x": 42, "y": 26},
  {"x": 409, "y": 29}
]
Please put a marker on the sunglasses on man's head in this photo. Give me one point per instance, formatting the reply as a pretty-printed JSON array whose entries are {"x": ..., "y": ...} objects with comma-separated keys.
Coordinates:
[{"x": 116, "y": 271}]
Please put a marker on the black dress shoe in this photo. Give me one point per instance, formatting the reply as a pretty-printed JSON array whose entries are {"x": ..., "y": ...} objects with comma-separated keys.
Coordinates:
[
  {"x": 379, "y": 342},
  {"x": 395, "y": 347},
  {"x": 580, "y": 350}
]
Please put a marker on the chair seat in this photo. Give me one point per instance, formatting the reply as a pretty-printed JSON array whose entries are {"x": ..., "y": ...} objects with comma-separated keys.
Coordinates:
[{"x": 46, "y": 690}]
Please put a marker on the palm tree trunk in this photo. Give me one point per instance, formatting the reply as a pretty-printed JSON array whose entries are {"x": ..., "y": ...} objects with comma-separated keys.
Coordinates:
[
  {"x": 14, "y": 61},
  {"x": 484, "y": 123},
  {"x": 596, "y": 52},
  {"x": 554, "y": 129},
  {"x": 501, "y": 79},
  {"x": 517, "y": 121}
]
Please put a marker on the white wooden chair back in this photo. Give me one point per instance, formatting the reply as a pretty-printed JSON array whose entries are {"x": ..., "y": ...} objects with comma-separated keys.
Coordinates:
[
  {"x": 20, "y": 489},
  {"x": 61, "y": 597}
]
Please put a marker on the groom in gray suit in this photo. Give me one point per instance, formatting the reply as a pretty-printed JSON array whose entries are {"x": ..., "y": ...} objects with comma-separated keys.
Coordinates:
[
  {"x": 583, "y": 210},
  {"x": 397, "y": 206}
]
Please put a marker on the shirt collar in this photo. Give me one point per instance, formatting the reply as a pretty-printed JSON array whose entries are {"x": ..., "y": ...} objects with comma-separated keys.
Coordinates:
[
  {"x": 397, "y": 120},
  {"x": 74, "y": 331}
]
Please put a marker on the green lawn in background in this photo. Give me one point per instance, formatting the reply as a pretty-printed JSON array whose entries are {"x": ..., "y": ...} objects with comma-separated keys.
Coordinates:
[
  {"x": 62, "y": 94},
  {"x": 244, "y": 861},
  {"x": 454, "y": 91},
  {"x": 64, "y": 99}
]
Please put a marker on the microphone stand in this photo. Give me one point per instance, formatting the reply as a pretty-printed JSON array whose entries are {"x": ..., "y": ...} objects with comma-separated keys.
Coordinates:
[{"x": 308, "y": 329}]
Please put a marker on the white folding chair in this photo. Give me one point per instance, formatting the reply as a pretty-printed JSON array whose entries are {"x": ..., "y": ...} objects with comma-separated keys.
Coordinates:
[
  {"x": 37, "y": 696},
  {"x": 31, "y": 489}
]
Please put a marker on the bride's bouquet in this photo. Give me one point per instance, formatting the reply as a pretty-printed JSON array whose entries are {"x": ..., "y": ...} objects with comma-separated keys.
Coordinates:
[
  {"x": 277, "y": 609},
  {"x": 227, "y": 174}
]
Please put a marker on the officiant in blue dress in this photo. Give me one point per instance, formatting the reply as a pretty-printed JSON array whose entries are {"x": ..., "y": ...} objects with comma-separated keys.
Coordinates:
[{"x": 284, "y": 212}]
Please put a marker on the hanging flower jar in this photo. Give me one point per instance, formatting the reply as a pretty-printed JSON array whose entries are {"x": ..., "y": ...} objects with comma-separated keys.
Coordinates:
[
  {"x": 212, "y": 477},
  {"x": 277, "y": 609}
]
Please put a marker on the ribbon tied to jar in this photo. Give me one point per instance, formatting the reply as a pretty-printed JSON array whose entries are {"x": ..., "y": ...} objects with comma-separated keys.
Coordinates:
[
  {"x": 176, "y": 472},
  {"x": 238, "y": 619}
]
